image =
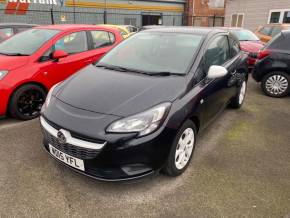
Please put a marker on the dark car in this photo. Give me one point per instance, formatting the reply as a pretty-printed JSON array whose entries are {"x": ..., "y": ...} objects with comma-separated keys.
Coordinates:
[
  {"x": 139, "y": 109},
  {"x": 273, "y": 66},
  {"x": 9, "y": 29}
]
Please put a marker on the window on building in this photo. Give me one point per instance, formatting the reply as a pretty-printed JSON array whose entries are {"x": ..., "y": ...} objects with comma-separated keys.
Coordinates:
[
  {"x": 286, "y": 17},
  {"x": 279, "y": 16},
  {"x": 275, "y": 17},
  {"x": 73, "y": 43},
  {"x": 102, "y": 38},
  {"x": 130, "y": 21},
  {"x": 237, "y": 20},
  {"x": 215, "y": 21}
]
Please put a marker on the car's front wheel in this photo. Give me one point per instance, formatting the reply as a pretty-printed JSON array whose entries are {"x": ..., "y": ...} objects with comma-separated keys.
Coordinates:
[
  {"x": 276, "y": 84},
  {"x": 182, "y": 150},
  {"x": 26, "y": 102}
]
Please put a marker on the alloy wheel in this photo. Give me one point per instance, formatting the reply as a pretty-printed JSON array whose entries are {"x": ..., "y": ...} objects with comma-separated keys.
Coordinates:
[
  {"x": 242, "y": 92},
  {"x": 276, "y": 84},
  {"x": 184, "y": 148},
  {"x": 30, "y": 102}
]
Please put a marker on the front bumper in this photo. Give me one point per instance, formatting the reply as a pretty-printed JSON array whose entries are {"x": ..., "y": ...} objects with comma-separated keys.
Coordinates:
[{"x": 111, "y": 161}]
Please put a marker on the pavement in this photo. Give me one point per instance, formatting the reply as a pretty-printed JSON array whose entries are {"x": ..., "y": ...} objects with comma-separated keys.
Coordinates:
[{"x": 240, "y": 168}]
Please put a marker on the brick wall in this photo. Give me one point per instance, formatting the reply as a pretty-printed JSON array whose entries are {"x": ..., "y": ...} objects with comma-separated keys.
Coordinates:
[{"x": 201, "y": 9}]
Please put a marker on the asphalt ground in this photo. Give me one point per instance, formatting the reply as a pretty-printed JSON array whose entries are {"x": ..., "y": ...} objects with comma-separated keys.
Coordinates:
[{"x": 240, "y": 168}]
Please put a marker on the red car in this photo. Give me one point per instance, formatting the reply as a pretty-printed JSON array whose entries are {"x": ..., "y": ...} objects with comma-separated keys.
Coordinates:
[
  {"x": 249, "y": 42},
  {"x": 33, "y": 61}
]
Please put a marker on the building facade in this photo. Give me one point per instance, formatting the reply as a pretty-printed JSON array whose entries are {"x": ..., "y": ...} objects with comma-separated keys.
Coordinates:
[
  {"x": 252, "y": 13},
  {"x": 137, "y": 13},
  {"x": 205, "y": 12}
]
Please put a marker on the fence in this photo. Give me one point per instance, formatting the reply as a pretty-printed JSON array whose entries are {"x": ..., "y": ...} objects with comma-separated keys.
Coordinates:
[{"x": 54, "y": 16}]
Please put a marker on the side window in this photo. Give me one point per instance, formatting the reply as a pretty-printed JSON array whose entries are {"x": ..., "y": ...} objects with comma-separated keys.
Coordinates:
[
  {"x": 217, "y": 53},
  {"x": 102, "y": 39},
  {"x": 21, "y": 29},
  {"x": 266, "y": 31},
  {"x": 234, "y": 47},
  {"x": 123, "y": 33},
  {"x": 5, "y": 33},
  {"x": 73, "y": 43}
]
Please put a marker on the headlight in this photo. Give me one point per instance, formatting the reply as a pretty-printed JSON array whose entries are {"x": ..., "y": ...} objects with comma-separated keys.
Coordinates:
[
  {"x": 3, "y": 73},
  {"x": 144, "y": 123},
  {"x": 48, "y": 97}
]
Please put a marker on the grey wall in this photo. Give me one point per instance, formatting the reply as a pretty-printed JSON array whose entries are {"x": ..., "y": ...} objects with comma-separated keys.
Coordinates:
[{"x": 256, "y": 11}]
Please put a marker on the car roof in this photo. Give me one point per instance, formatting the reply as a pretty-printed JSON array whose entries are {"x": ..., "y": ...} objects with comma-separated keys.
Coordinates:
[
  {"x": 193, "y": 30},
  {"x": 18, "y": 24},
  {"x": 70, "y": 27}
]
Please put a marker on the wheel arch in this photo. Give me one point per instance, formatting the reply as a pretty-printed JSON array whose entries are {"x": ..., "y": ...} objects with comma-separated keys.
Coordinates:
[{"x": 196, "y": 121}]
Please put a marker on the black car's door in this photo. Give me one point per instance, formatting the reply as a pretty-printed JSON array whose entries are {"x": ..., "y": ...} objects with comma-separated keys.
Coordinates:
[{"x": 217, "y": 92}]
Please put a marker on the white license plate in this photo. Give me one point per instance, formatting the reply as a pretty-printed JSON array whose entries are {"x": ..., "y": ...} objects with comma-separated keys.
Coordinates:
[{"x": 69, "y": 160}]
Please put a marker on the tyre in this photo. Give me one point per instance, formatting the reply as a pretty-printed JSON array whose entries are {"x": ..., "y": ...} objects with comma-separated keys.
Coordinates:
[
  {"x": 276, "y": 84},
  {"x": 26, "y": 102},
  {"x": 239, "y": 99},
  {"x": 182, "y": 150}
]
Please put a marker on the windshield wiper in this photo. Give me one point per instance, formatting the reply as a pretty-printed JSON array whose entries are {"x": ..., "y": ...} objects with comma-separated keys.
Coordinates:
[
  {"x": 125, "y": 69},
  {"x": 163, "y": 73},
  {"x": 111, "y": 67}
]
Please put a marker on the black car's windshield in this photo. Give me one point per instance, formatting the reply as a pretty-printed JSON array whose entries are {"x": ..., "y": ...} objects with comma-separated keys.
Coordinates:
[
  {"x": 27, "y": 42},
  {"x": 245, "y": 35},
  {"x": 154, "y": 53}
]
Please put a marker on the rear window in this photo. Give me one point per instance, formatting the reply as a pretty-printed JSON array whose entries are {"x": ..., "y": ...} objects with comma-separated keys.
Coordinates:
[
  {"x": 276, "y": 31},
  {"x": 266, "y": 30},
  {"x": 280, "y": 42}
]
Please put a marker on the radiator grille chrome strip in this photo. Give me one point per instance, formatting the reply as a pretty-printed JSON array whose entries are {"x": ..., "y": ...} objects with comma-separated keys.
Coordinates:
[{"x": 69, "y": 139}]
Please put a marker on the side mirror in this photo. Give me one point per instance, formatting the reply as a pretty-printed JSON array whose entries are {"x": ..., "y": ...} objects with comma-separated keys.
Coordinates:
[
  {"x": 215, "y": 72},
  {"x": 58, "y": 54}
]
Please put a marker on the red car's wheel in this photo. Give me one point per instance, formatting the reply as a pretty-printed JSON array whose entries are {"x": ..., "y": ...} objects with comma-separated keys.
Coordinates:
[{"x": 26, "y": 102}]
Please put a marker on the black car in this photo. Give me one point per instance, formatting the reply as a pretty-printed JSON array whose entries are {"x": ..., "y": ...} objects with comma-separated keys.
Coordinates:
[
  {"x": 9, "y": 29},
  {"x": 272, "y": 68},
  {"x": 139, "y": 109}
]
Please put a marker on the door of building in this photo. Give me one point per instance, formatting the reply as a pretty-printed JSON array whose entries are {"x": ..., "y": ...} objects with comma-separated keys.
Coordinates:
[{"x": 151, "y": 20}]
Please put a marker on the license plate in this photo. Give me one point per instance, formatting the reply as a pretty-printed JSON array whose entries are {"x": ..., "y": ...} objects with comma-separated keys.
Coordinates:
[{"x": 69, "y": 160}]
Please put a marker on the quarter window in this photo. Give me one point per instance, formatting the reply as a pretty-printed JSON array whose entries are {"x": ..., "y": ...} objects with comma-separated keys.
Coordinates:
[
  {"x": 73, "y": 43},
  {"x": 217, "y": 52},
  {"x": 102, "y": 39}
]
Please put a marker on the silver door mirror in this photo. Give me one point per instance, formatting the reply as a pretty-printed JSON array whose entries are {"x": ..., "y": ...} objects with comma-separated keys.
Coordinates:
[{"x": 216, "y": 72}]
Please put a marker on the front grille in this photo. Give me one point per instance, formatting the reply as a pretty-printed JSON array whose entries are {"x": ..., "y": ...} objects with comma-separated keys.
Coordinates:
[
  {"x": 78, "y": 152},
  {"x": 75, "y": 135}
]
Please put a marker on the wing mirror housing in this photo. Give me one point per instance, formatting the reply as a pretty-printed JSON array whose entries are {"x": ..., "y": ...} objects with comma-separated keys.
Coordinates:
[
  {"x": 59, "y": 54},
  {"x": 215, "y": 72}
]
